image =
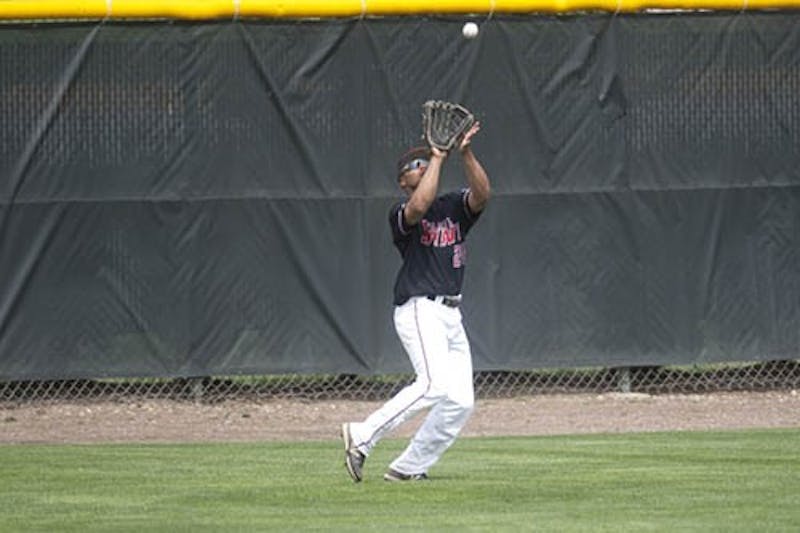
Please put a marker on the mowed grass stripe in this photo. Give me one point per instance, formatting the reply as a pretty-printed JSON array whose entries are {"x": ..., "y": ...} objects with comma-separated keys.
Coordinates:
[{"x": 676, "y": 481}]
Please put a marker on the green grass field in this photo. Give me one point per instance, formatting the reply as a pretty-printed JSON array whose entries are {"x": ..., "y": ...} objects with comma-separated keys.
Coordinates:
[{"x": 679, "y": 481}]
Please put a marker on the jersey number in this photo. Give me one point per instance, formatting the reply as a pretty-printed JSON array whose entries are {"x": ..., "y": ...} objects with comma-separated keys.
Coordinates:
[{"x": 459, "y": 255}]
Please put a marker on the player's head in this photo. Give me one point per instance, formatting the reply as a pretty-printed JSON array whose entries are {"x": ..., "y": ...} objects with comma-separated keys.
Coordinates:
[{"x": 411, "y": 166}]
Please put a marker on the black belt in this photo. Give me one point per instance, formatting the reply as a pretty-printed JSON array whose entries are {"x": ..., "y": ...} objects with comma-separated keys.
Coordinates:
[{"x": 449, "y": 301}]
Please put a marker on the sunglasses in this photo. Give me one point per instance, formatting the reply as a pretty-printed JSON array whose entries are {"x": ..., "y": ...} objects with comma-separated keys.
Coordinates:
[{"x": 415, "y": 164}]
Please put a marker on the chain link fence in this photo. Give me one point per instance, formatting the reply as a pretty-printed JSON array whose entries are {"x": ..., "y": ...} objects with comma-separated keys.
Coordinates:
[{"x": 772, "y": 375}]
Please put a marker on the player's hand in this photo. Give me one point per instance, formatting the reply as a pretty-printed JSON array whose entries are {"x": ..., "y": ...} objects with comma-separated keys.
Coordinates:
[
  {"x": 438, "y": 153},
  {"x": 465, "y": 142}
]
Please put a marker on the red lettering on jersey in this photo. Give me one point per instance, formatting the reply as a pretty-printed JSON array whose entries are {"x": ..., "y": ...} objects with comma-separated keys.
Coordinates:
[
  {"x": 440, "y": 234},
  {"x": 428, "y": 233}
]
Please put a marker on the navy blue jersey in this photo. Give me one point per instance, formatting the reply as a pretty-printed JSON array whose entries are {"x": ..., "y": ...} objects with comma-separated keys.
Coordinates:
[{"x": 433, "y": 251}]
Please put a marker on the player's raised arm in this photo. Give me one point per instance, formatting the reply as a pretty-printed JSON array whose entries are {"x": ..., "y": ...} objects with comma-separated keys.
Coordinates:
[
  {"x": 422, "y": 192},
  {"x": 479, "y": 187}
]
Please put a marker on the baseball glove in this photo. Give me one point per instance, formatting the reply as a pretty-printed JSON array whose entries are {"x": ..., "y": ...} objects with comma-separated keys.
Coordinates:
[{"x": 445, "y": 123}]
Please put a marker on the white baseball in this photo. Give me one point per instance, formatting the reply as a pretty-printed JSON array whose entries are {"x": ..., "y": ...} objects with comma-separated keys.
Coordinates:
[{"x": 470, "y": 30}]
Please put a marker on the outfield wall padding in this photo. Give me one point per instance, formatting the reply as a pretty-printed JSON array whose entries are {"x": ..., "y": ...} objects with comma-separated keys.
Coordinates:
[{"x": 211, "y": 198}]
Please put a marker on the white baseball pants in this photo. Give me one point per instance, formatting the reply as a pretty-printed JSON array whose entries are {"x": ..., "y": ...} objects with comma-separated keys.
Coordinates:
[{"x": 434, "y": 338}]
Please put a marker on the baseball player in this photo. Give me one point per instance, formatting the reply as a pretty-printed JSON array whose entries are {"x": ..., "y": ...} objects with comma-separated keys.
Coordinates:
[{"x": 429, "y": 232}]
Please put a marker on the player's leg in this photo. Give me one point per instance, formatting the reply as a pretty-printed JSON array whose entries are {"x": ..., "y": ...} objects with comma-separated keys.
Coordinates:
[
  {"x": 425, "y": 340},
  {"x": 448, "y": 416}
]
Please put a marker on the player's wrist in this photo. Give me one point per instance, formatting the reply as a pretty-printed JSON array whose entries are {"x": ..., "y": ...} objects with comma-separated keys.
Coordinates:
[{"x": 438, "y": 154}]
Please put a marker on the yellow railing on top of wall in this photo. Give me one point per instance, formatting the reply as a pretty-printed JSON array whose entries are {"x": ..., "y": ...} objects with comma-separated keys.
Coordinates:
[{"x": 215, "y": 9}]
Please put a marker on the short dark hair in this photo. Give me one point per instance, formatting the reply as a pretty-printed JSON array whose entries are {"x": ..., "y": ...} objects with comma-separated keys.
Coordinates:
[{"x": 418, "y": 152}]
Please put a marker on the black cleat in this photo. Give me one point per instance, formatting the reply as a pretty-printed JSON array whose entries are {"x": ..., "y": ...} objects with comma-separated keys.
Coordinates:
[
  {"x": 353, "y": 459},
  {"x": 394, "y": 475}
]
